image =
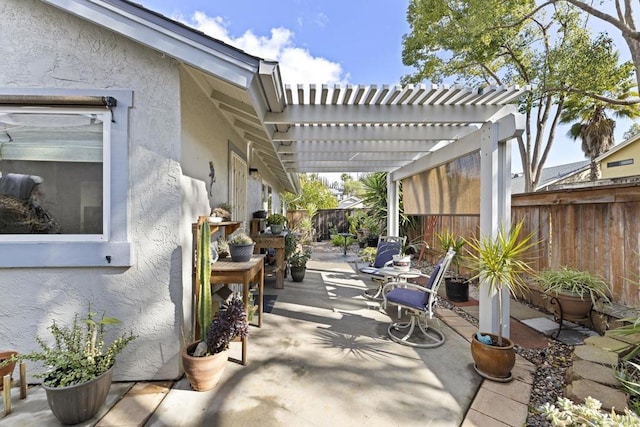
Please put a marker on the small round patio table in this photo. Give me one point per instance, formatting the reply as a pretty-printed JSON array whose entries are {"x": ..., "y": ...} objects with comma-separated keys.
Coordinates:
[{"x": 345, "y": 235}]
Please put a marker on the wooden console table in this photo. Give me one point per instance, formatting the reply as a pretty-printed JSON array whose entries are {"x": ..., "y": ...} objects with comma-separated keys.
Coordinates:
[{"x": 276, "y": 242}]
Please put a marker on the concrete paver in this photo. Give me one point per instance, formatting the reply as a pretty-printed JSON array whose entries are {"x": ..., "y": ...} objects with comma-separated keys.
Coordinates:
[
  {"x": 609, "y": 397},
  {"x": 500, "y": 407}
]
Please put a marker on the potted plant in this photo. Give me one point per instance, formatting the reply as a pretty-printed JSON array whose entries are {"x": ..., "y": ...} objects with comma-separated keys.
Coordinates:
[
  {"x": 223, "y": 248},
  {"x": 572, "y": 292},
  {"x": 223, "y": 210},
  {"x": 240, "y": 246},
  {"x": 204, "y": 361},
  {"x": 372, "y": 226},
  {"x": 276, "y": 222},
  {"x": 402, "y": 260},
  {"x": 79, "y": 366},
  {"x": 298, "y": 264},
  {"x": 7, "y": 369},
  {"x": 456, "y": 286},
  {"x": 498, "y": 262}
]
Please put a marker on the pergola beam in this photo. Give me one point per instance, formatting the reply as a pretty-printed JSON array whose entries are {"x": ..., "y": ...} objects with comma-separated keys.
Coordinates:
[
  {"x": 373, "y": 133},
  {"x": 378, "y": 114}
]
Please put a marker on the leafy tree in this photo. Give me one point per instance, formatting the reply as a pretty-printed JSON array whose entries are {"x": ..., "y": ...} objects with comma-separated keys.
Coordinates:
[
  {"x": 313, "y": 191},
  {"x": 623, "y": 21},
  {"x": 512, "y": 42},
  {"x": 633, "y": 131}
]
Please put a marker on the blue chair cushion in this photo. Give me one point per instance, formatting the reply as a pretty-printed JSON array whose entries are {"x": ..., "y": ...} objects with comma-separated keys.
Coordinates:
[
  {"x": 385, "y": 253},
  {"x": 407, "y": 297},
  {"x": 372, "y": 271}
]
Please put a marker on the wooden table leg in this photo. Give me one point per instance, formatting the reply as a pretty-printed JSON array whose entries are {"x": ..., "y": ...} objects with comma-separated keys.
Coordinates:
[
  {"x": 279, "y": 269},
  {"x": 260, "y": 296}
]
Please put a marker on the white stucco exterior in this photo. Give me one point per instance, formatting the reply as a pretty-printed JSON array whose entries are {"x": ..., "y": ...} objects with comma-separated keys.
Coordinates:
[{"x": 174, "y": 131}]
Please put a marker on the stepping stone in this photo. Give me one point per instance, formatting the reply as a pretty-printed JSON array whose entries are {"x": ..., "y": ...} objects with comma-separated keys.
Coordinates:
[
  {"x": 631, "y": 339},
  {"x": 596, "y": 355},
  {"x": 585, "y": 370},
  {"x": 609, "y": 397},
  {"x": 607, "y": 343}
]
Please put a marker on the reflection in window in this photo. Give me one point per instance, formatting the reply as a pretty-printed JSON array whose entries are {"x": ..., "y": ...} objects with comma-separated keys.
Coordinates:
[{"x": 51, "y": 167}]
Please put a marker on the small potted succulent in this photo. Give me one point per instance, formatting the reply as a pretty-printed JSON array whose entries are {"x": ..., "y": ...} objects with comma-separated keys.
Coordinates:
[
  {"x": 298, "y": 264},
  {"x": 276, "y": 222},
  {"x": 240, "y": 246},
  {"x": 223, "y": 248}
]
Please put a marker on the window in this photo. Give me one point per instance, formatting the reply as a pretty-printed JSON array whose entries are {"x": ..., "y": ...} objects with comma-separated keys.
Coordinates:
[
  {"x": 64, "y": 189},
  {"x": 620, "y": 163},
  {"x": 53, "y": 173}
]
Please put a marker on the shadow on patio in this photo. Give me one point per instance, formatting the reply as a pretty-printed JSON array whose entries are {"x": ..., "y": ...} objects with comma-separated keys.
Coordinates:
[{"x": 322, "y": 358}]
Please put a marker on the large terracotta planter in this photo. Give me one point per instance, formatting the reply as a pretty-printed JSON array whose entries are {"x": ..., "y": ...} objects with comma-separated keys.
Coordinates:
[
  {"x": 569, "y": 306},
  {"x": 203, "y": 372},
  {"x": 6, "y": 370},
  {"x": 493, "y": 362},
  {"x": 77, "y": 403}
]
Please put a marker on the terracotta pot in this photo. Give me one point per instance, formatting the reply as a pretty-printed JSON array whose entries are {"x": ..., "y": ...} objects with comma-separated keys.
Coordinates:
[
  {"x": 77, "y": 403},
  {"x": 6, "y": 370},
  {"x": 573, "y": 307},
  {"x": 493, "y": 362},
  {"x": 203, "y": 372}
]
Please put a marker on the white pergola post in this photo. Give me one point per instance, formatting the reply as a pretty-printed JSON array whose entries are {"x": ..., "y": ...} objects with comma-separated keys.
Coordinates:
[
  {"x": 495, "y": 211},
  {"x": 393, "y": 204}
]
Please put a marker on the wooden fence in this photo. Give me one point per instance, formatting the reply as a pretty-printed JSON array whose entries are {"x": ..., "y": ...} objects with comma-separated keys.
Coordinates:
[
  {"x": 595, "y": 229},
  {"x": 324, "y": 220}
]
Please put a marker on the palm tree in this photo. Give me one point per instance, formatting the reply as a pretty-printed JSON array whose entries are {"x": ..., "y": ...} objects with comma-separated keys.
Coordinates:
[
  {"x": 374, "y": 197},
  {"x": 594, "y": 127}
]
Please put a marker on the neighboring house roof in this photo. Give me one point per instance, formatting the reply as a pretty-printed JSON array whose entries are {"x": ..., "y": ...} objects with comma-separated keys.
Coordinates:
[
  {"x": 549, "y": 176},
  {"x": 351, "y": 202},
  {"x": 618, "y": 147}
]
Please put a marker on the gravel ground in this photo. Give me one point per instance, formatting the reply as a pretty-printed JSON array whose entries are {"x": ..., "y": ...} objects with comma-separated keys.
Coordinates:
[{"x": 551, "y": 363}]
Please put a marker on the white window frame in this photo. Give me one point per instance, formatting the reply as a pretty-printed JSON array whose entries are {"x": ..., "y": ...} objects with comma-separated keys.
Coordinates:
[{"x": 112, "y": 248}]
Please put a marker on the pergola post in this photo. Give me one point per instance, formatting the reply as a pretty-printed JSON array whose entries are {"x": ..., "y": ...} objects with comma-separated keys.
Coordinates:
[
  {"x": 393, "y": 205},
  {"x": 495, "y": 211}
]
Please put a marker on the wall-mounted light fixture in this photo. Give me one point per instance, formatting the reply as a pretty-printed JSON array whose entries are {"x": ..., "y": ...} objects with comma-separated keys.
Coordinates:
[{"x": 253, "y": 171}]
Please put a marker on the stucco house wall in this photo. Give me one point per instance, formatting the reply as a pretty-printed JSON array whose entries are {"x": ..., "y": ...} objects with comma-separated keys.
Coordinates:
[{"x": 52, "y": 49}]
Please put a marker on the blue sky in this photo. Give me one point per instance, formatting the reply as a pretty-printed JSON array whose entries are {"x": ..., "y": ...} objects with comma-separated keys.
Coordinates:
[{"x": 333, "y": 41}]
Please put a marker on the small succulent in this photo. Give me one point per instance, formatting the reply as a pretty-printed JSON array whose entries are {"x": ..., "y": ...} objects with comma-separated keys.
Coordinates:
[
  {"x": 230, "y": 323},
  {"x": 240, "y": 238}
]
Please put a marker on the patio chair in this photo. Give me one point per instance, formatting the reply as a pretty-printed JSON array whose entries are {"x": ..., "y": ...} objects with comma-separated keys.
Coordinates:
[
  {"x": 419, "y": 303},
  {"x": 388, "y": 246}
]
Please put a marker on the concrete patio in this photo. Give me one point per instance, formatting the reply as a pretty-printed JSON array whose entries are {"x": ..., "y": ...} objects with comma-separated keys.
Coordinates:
[{"x": 322, "y": 358}]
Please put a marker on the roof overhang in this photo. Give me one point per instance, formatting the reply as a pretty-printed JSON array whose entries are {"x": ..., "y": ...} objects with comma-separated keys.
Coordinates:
[
  {"x": 243, "y": 87},
  {"x": 318, "y": 129}
]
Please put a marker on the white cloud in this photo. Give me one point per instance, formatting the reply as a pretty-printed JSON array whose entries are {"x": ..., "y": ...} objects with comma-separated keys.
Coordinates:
[{"x": 297, "y": 65}]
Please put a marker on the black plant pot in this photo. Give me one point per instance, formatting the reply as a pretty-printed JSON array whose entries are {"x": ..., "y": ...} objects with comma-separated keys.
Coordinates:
[
  {"x": 372, "y": 242},
  {"x": 457, "y": 289},
  {"x": 297, "y": 273}
]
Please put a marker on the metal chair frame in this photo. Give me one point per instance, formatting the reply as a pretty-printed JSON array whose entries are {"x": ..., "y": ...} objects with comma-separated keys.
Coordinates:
[{"x": 405, "y": 332}]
